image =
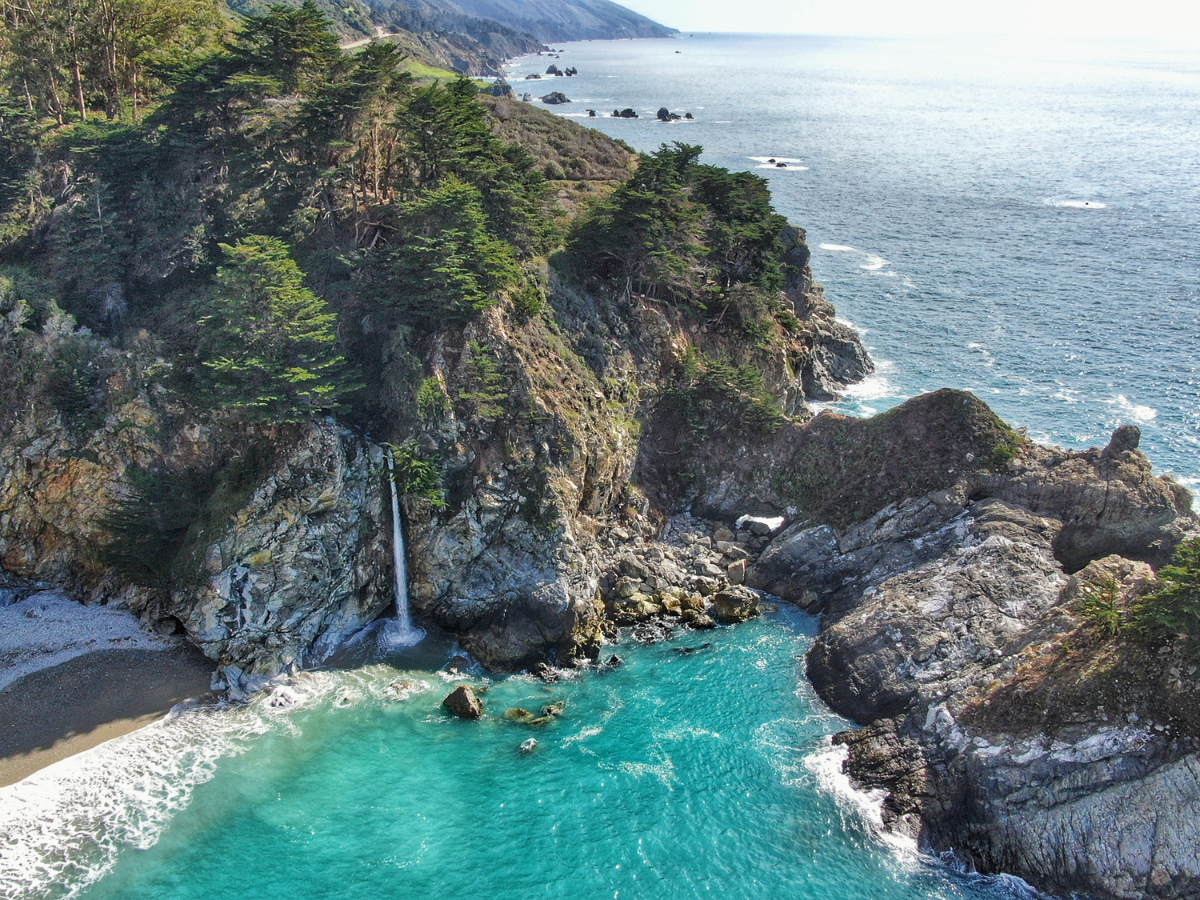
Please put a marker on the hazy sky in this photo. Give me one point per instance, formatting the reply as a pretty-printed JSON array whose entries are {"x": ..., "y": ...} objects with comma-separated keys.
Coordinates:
[{"x": 1116, "y": 18}]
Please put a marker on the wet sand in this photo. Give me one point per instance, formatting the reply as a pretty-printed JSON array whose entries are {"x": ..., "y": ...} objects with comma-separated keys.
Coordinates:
[{"x": 59, "y": 711}]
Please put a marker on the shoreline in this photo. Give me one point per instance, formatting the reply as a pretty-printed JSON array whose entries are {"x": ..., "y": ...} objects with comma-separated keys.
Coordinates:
[{"x": 60, "y": 711}]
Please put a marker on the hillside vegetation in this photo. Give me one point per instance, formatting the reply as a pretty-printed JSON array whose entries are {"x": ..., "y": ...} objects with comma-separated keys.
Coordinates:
[{"x": 261, "y": 228}]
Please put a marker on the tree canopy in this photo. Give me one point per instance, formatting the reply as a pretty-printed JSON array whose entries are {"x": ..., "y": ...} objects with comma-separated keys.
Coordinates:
[
  {"x": 684, "y": 229},
  {"x": 267, "y": 344}
]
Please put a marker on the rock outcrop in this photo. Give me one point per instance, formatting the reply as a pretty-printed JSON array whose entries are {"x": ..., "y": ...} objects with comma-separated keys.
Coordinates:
[
  {"x": 1001, "y": 724},
  {"x": 538, "y": 425},
  {"x": 463, "y": 703},
  {"x": 276, "y": 576}
]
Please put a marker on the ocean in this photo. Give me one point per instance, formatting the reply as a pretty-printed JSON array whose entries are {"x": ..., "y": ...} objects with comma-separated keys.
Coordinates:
[
  {"x": 1017, "y": 218},
  {"x": 700, "y": 767}
]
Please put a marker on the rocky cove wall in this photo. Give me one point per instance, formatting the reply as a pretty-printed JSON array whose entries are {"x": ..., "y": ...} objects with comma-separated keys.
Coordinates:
[{"x": 537, "y": 423}]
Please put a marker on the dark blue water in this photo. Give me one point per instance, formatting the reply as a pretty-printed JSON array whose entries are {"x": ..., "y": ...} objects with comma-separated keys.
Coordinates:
[{"x": 1016, "y": 218}]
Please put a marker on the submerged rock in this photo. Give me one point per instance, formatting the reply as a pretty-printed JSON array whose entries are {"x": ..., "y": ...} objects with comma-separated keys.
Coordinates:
[
  {"x": 529, "y": 746},
  {"x": 525, "y": 717},
  {"x": 463, "y": 703}
]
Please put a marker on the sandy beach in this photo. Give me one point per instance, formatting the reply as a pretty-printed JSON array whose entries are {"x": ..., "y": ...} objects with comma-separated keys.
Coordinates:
[{"x": 75, "y": 676}]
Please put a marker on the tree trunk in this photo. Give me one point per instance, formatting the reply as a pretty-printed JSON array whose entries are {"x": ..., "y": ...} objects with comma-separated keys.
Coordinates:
[{"x": 77, "y": 75}]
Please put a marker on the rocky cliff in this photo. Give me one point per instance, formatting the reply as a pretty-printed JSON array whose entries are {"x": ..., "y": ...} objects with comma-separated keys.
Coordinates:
[
  {"x": 538, "y": 424},
  {"x": 1001, "y": 724}
]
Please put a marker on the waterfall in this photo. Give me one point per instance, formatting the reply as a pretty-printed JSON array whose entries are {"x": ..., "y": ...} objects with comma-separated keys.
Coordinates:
[{"x": 399, "y": 632}]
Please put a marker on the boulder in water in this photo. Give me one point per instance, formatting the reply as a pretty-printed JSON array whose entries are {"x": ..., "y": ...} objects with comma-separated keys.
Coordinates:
[
  {"x": 463, "y": 703},
  {"x": 555, "y": 709},
  {"x": 625, "y": 113},
  {"x": 525, "y": 717},
  {"x": 529, "y": 746},
  {"x": 458, "y": 665},
  {"x": 554, "y": 98},
  {"x": 553, "y": 70}
]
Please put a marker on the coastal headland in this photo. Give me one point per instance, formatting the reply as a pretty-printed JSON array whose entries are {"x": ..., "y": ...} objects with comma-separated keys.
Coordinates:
[{"x": 594, "y": 372}]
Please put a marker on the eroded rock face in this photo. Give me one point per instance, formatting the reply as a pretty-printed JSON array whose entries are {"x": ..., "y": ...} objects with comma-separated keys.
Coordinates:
[
  {"x": 303, "y": 565},
  {"x": 1001, "y": 725}
]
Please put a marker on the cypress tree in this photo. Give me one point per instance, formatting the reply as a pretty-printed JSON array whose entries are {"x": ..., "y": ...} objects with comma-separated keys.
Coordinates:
[{"x": 267, "y": 343}]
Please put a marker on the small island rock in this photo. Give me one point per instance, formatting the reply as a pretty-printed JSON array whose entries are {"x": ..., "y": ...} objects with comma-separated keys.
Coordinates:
[{"x": 463, "y": 703}]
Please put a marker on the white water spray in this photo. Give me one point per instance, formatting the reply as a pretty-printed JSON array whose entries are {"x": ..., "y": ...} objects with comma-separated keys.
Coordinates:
[{"x": 399, "y": 632}]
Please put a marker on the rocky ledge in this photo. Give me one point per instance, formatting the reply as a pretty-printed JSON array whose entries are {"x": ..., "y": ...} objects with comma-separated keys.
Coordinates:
[{"x": 1000, "y": 724}]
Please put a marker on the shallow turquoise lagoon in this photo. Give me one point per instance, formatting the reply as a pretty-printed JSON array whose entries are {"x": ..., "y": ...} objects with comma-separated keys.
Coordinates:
[{"x": 678, "y": 774}]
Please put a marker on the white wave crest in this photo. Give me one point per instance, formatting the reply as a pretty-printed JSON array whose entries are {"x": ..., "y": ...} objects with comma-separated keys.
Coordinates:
[
  {"x": 873, "y": 263},
  {"x": 1142, "y": 415},
  {"x": 873, "y": 387},
  {"x": 837, "y": 248},
  {"x": 1076, "y": 204},
  {"x": 827, "y": 765},
  {"x": 775, "y": 159},
  {"x": 65, "y": 825}
]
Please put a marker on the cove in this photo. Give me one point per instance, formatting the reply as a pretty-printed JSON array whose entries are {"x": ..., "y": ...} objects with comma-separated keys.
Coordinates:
[{"x": 688, "y": 771}]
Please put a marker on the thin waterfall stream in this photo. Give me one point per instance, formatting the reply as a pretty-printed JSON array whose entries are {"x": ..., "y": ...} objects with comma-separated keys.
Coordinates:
[{"x": 399, "y": 632}]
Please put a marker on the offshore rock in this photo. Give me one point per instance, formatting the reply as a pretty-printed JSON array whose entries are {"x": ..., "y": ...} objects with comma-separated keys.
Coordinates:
[{"x": 463, "y": 703}]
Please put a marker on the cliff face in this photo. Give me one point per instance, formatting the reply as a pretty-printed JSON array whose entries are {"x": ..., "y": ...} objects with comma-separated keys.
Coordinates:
[
  {"x": 536, "y": 485},
  {"x": 538, "y": 424},
  {"x": 279, "y": 567}
]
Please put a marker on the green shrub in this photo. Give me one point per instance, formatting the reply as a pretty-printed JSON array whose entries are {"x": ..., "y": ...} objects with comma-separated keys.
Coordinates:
[
  {"x": 488, "y": 390},
  {"x": 1006, "y": 449},
  {"x": 1099, "y": 605},
  {"x": 708, "y": 396},
  {"x": 416, "y": 476},
  {"x": 1172, "y": 610},
  {"x": 432, "y": 402},
  {"x": 75, "y": 379},
  {"x": 529, "y": 301}
]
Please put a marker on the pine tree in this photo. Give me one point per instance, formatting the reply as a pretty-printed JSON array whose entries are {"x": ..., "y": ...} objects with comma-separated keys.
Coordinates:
[{"x": 266, "y": 342}]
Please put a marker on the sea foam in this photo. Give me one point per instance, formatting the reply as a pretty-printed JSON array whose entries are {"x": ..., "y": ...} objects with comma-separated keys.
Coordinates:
[{"x": 64, "y": 826}]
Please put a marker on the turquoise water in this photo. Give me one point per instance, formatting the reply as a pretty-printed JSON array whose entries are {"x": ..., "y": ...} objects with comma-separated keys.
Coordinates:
[
  {"x": 1019, "y": 218},
  {"x": 675, "y": 775}
]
